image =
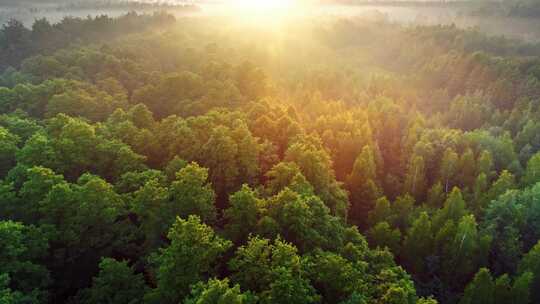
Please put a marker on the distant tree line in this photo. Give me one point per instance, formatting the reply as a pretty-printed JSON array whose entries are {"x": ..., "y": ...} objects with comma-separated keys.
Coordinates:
[{"x": 18, "y": 42}]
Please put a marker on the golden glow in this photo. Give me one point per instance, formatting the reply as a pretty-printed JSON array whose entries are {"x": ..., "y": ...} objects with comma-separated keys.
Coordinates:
[{"x": 264, "y": 7}]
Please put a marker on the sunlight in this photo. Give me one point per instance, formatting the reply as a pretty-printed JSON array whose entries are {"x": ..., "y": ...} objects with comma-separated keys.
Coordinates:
[{"x": 268, "y": 8}]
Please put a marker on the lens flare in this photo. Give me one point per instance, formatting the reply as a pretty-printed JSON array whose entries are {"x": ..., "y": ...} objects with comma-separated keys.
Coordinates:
[{"x": 269, "y": 8}]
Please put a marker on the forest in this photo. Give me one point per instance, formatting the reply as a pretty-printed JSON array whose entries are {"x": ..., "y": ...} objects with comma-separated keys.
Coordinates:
[{"x": 150, "y": 159}]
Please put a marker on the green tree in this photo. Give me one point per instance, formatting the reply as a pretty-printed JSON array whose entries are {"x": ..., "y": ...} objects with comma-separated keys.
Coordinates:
[
  {"x": 191, "y": 194},
  {"x": 243, "y": 214},
  {"x": 316, "y": 165},
  {"x": 426, "y": 301},
  {"x": 532, "y": 173},
  {"x": 480, "y": 290},
  {"x": 436, "y": 196},
  {"x": 521, "y": 289},
  {"x": 134, "y": 181},
  {"x": 394, "y": 285},
  {"x": 303, "y": 220},
  {"x": 402, "y": 210},
  {"x": 483, "y": 289},
  {"x": 479, "y": 194},
  {"x": 418, "y": 244},
  {"x": 20, "y": 124},
  {"x": 82, "y": 103},
  {"x": 415, "y": 181},
  {"x": 448, "y": 169},
  {"x": 288, "y": 288},
  {"x": 503, "y": 220},
  {"x": 336, "y": 278},
  {"x": 454, "y": 208},
  {"x": 467, "y": 169},
  {"x": 8, "y": 150},
  {"x": 531, "y": 263},
  {"x": 273, "y": 271},
  {"x": 251, "y": 80},
  {"x": 381, "y": 212},
  {"x": 154, "y": 212},
  {"x": 218, "y": 291},
  {"x": 141, "y": 116},
  {"x": 18, "y": 38},
  {"x": 7, "y": 296},
  {"x": 219, "y": 155},
  {"x": 90, "y": 221},
  {"x": 171, "y": 94},
  {"x": 175, "y": 165},
  {"x": 467, "y": 250},
  {"x": 382, "y": 235},
  {"x": 72, "y": 147},
  {"x": 194, "y": 251},
  {"x": 23, "y": 253},
  {"x": 281, "y": 176},
  {"x": 502, "y": 292},
  {"x": 505, "y": 182},
  {"x": 355, "y": 298},
  {"x": 248, "y": 154},
  {"x": 115, "y": 283},
  {"x": 362, "y": 186},
  {"x": 38, "y": 181}
]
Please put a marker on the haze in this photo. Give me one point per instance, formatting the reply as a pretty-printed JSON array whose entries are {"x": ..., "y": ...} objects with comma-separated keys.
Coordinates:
[{"x": 462, "y": 14}]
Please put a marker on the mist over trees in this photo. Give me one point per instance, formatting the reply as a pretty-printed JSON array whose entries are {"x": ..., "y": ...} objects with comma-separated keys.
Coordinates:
[{"x": 148, "y": 159}]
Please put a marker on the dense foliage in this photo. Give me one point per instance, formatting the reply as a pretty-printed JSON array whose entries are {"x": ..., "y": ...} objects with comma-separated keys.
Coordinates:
[{"x": 188, "y": 162}]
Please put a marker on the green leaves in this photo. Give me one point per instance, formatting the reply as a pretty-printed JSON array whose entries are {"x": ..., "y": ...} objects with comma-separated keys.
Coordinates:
[
  {"x": 362, "y": 186},
  {"x": 480, "y": 290},
  {"x": 419, "y": 244},
  {"x": 24, "y": 248},
  {"x": 171, "y": 131},
  {"x": 243, "y": 214},
  {"x": 191, "y": 194},
  {"x": 71, "y": 146},
  {"x": 116, "y": 283},
  {"x": 194, "y": 251},
  {"x": 531, "y": 263},
  {"x": 273, "y": 271},
  {"x": 218, "y": 291},
  {"x": 89, "y": 222},
  {"x": 316, "y": 166},
  {"x": 8, "y": 150},
  {"x": 483, "y": 289},
  {"x": 336, "y": 278},
  {"x": 382, "y": 235},
  {"x": 532, "y": 173},
  {"x": 415, "y": 181}
]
